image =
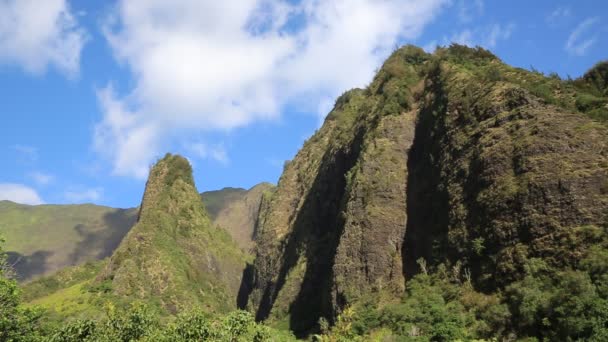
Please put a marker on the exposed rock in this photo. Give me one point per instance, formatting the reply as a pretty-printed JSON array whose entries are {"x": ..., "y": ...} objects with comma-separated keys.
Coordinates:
[{"x": 454, "y": 158}]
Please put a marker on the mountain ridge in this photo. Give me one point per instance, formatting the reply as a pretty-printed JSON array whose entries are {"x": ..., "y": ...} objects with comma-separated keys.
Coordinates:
[
  {"x": 94, "y": 233},
  {"x": 389, "y": 181}
]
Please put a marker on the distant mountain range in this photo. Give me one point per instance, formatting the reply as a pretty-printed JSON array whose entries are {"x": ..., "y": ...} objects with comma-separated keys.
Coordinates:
[{"x": 42, "y": 239}]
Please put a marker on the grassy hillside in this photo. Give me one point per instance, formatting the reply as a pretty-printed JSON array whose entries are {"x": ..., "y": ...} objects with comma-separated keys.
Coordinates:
[
  {"x": 69, "y": 235},
  {"x": 216, "y": 200},
  {"x": 45, "y": 238}
]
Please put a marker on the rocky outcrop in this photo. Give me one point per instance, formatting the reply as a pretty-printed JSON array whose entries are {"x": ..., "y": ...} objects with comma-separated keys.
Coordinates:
[
  {"x": 499, "y": 175},
  {"x": 452, "y": 158},
  {"x": 333, "y": 229}
]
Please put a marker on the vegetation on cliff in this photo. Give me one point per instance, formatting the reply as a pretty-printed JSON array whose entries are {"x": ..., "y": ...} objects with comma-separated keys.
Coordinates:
[
  {"x": 174, "y": 256},
  {"x": 454, "y": 159}
]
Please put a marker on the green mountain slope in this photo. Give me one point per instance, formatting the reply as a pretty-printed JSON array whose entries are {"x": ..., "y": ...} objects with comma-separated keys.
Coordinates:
[
  {"x": 43, "y": 239},
  {"x": 237, "y": 211},
  {"x": 69, "y": 235},
  {"x": 216, "y": 200},
  {"x": 172, "y": 259},
  {"x": 174, "y": 256},
  {"x": 452, "y": 159}
]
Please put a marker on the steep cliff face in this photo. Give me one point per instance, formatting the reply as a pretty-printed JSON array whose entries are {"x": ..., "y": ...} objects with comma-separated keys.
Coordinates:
[
  {"x": 503, "y": 169},
  {"x": 334, "y": 227},
  {"x": 174, "y": 256},
  {"x": 452, "y": 158}
]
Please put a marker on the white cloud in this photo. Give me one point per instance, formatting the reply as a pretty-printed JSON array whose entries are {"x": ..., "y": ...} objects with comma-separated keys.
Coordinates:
[
  {"x": 41, "y": 178},
  {"x": 576, "y": 43},
  {"x": 80, "y": 195},
  {"x": 498, "y": 32},
  {"x": 35, "y": 34},
  {"x": 126, "y": 138},
  {"x": 219, "y": 65},
  {"x": 487, "y": 37},
  {"x": 19, "y": 193},
  {"x": 204, "y": 151},
  {"x": 558, "y": 15},
  {"x": 469, "y": 9}
]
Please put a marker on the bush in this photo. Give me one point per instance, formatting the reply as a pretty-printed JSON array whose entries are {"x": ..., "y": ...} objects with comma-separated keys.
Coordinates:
[
  {"x": 586, "y": 102},
  {"x": 16, "y": 323}
]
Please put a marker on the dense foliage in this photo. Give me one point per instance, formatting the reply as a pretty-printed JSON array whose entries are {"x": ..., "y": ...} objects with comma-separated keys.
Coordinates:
[
  {"x": 16, "y": 323},
  {"x": 19, "y": 322},
  {"x": 140, "y": 324},
  {"x": 546, "y": 305}
]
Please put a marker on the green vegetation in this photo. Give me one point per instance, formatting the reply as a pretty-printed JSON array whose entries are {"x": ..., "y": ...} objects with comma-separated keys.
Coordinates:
[
  {"x": 137, "y": 323},
  {"x": 456, "y": 158},
  {"x": 140, "y": 324},
  {"x": 16, "y": 323},
  {"x": 64, "y": 278},
  {"x": 68, "y": 235},
  {"x": 455, "y": 198},
  {"x": 548, "y": 304}
]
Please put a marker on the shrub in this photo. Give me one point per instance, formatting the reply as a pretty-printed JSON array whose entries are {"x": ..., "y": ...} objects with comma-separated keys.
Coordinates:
[{"x": 16, "y": 323}]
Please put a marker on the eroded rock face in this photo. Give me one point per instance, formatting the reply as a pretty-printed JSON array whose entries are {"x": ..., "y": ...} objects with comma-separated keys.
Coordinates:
[
  {"x": 369, "y": 251},
  {"x": 333, "y": 229},
  {"x": 453, "y": 158},
  {"x": 511, "y": 177}
]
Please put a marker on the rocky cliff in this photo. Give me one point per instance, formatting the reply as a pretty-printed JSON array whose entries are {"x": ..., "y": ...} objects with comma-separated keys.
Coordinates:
[{"x": 453, "y": 158}]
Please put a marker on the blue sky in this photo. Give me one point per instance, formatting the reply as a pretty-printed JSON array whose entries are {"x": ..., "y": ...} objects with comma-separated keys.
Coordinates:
[{"x": 94, "y": 91}]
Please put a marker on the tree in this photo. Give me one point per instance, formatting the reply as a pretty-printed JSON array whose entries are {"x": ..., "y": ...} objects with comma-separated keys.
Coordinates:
[{"x": 16, "y": 323}]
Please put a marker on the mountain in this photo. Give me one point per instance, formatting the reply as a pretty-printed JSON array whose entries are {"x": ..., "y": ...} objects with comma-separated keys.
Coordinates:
[
  {"x": 236, "y": 210},
  {"x": 45, "y": 238},
  {"x": 454, "y": 198},
  {"x": 452, "y": 159},
  {"x": 75, "y": 234},
  {"x": 174, "y": 256}
]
